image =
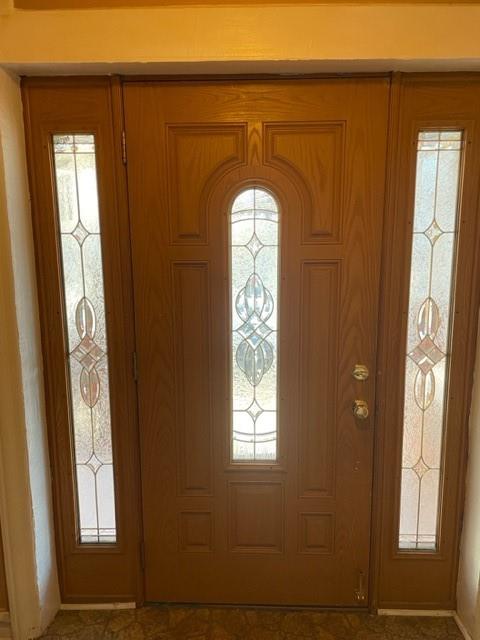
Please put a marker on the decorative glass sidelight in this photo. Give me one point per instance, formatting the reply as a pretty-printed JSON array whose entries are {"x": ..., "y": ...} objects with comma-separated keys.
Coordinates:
[
  {"x": 432, "y": 280},
  {"x": 86, "y": 351},
  {"x": 254, "y": 316}
]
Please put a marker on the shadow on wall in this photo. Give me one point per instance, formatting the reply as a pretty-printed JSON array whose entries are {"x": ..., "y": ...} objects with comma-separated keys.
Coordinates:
[
  {"x": 25, "y": 502},
  {"x": 468, "y": 589}
]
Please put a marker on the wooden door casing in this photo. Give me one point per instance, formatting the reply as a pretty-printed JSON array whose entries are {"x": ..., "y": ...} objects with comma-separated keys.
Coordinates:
[
  {"x": 425, "y": 579},
  {"x": 87, "y": 572},
  {"x": 3, "y": 581},
  {"x": 295, "y": 532}
]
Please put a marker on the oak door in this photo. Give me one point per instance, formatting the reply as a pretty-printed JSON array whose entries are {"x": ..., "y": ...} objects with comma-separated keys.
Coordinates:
[{"x": 256, "y": 211}]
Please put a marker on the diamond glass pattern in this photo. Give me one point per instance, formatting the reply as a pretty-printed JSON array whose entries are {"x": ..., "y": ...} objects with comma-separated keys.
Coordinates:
[
  {"x": 76, "y": 182},
  {"x": 428, "y": 342},
  {"x": 254, "y": 296}
]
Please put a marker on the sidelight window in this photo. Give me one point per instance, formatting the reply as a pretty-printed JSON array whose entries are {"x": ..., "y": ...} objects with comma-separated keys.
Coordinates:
[
  {"x": 254, "y": 233},
  {"x": 432, "y": 278},
  {"x": 86, "y": 335}
]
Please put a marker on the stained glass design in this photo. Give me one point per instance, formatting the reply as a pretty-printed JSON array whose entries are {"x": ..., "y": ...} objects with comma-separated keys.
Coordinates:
[
  {"x": 428, "y": 339},
  {"x": 254, "y": 295},
  {"x": 87, "y": 354}
]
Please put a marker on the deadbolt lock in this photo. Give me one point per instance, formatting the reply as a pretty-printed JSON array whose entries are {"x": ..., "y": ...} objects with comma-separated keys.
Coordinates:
[
  {"x": 360, "y": 372},
  {"x": 360, "y": 409}
]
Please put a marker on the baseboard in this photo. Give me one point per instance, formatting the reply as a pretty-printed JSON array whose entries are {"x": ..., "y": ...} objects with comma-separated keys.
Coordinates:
[
  {"x": 432, "y": 613},
  {"x": 462, "y": 627},
  {"x": 98, "y": 606}
]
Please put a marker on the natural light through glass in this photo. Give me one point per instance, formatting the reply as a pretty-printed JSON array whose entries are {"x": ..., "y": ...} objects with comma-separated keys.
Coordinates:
[
  {"x": 254, "y": 309},
  {"x": 87, "y": 359},
  {"x": 428, "y": 338}
]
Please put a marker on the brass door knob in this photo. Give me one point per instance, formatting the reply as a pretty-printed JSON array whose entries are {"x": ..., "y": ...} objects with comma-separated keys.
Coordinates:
[{"x": 360, "y": 409}]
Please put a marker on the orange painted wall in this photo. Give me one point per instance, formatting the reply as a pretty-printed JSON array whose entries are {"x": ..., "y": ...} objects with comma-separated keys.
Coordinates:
[{"x": 387, "y": 36}]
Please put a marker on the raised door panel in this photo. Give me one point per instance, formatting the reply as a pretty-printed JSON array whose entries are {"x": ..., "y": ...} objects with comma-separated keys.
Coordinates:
[
  {"x": 196, "y": 531},
  {"x": 196, "y": 155},
  {"x": 319, "y": 321},
  {"x": 193, "y": 371},
  {"x": 313, "y": 155},
  {"x": 316, "y": 532},
  {"x": 256, "y": 517}
]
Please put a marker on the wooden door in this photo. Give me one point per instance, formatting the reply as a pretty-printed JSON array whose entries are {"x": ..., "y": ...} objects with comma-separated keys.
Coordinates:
[{"x": 294, "y": 529}]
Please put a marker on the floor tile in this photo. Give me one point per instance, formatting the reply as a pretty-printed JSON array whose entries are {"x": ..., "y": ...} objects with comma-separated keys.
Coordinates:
[{"x": 234, "y": 623}]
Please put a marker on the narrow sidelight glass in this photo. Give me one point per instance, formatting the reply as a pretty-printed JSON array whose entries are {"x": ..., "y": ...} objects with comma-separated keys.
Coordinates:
[
  {"x": 254, "y": 315},
  {"x": 86, "y": 349},
  {"x": 427, "y": 363}
]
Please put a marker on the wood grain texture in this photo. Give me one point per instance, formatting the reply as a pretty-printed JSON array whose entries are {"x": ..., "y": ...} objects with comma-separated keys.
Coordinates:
[{"x": 255, "y": 532}]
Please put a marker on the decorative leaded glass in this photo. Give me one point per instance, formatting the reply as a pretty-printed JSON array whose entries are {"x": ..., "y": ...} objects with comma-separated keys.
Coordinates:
[
  {"x": 87, "y": 359},
  {"x": 254, "y": 309},
  {"x": 428, "y": 339}
]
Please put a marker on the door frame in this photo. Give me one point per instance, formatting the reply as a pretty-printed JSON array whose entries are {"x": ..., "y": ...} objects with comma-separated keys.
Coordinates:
[
  {"x": 403, "y": 86},
  {"x": 87, "y": 105},
  {"x": 417, "y": 101}
]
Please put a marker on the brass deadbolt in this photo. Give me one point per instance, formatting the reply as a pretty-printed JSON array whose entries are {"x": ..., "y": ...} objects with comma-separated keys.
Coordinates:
[{"x": 360, "y": 372}]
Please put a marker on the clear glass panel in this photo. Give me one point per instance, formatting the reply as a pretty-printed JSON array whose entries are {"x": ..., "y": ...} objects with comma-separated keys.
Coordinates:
[
  {"x": 76, "y": 181},
  {"x": 254, "y": 314},
  {"x": 428, "y": 338}
]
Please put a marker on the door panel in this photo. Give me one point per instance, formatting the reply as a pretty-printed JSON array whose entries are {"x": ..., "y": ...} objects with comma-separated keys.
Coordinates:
[{"x": 295, "y": 530}]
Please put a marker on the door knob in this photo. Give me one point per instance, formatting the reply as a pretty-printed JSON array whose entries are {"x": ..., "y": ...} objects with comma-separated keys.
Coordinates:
[{"x": 360, "y": 409}]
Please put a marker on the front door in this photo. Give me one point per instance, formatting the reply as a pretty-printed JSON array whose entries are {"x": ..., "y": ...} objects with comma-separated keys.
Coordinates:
[{"x": 256, "y": 211}]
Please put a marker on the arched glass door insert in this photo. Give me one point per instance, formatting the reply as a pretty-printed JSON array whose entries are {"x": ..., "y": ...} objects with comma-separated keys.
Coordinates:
[{"x": 254, "y": 275}]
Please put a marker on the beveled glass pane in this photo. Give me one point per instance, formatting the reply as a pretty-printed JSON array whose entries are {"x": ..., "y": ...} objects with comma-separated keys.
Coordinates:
[
  {"x": 66, "y": 191},
  {"x": 409, "y": 508},
  {"x": 425, "y": 191},
  {"x": 428, "y": 336},
  {"x": 87, "y": 353},
  {"x": 87, "y": 191},
  {"x": 254, "y": 318}
]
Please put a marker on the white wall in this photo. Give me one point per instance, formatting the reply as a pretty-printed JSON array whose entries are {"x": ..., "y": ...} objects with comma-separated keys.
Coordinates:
[
  {"x": 25, "y": 501},
  {"x": 468, "y": 592}
]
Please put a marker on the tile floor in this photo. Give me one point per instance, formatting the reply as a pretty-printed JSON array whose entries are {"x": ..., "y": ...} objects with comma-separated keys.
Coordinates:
[{"x": 216, "y": 623}]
